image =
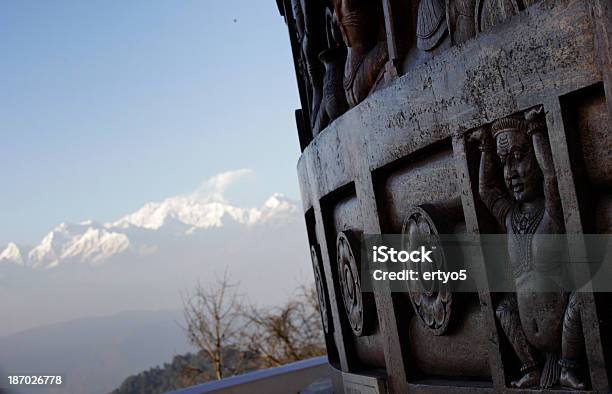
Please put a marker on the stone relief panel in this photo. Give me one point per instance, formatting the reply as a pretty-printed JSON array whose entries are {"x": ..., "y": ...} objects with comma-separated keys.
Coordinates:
[
  {"x": 362, "y": 26},
  {"x": 320, "y": 285},
  {"x": 342, "y": 54},
  {"x": 511, "y": 188},
  {"x": 343, "y": 51},
  {"x": 419, "y": 198},
  {"x": 333, "y": 58},
  {"x": 357, "y": 304},
  {"x": 518, "y": 185},
  {"x": 356, "y": 308},
  {"x": 323, "y": 296},
  {"x": 589, "y": 136},
  {"x": 306, "y": 17}
]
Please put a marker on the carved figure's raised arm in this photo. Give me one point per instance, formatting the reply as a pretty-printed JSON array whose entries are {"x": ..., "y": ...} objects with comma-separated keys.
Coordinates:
[
  {"x": 491, "y": 189},
  {"x": 537, "y": 130}
]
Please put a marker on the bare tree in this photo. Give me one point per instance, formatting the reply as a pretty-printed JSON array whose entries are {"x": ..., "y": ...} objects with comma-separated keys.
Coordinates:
[
  {"x": 212, "y": 320},
  {"x": 286, "y": 333}
]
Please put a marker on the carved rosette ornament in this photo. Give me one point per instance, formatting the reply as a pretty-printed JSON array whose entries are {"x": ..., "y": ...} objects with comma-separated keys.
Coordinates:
[
  {"x": 431, "y": 300},
  {"x": 356, "y": 304},
  {"x": 316, "y": 267}
]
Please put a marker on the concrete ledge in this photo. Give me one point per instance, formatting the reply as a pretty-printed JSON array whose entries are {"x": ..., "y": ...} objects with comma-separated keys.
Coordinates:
[{"x": 286, "y": 379}]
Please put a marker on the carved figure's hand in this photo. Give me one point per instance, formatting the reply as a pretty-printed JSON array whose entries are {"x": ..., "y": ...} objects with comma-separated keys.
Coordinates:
[
  {"x": 534, "y": 114},
  {"x": 482, "y": 136},
  {"x": 536, "y": 120}
]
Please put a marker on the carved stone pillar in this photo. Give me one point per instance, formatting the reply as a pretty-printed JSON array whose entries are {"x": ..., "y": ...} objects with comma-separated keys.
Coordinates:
[{"x": 493, "y": 118}]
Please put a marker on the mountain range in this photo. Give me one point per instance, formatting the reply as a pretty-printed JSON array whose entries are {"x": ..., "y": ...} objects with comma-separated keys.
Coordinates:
[
  {"x": 59, "y": 294},
  {"x": 146, "y": 259},
  {"x": 95, "y": 243}
]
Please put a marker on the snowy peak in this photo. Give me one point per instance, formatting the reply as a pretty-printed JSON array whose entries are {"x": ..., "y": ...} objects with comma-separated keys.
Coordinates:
[
  {"x": 84, "y": 242},
  {"x": 91, "y": 242},
  {"x": 190, "y": 212},
  {"x": 193, "y": 213},
  {"x": 96, "y": 245},
  {"x": 278, "y": 208},
  {"x": 278, "y": 202},
  {"x": 11, "y": 254}
]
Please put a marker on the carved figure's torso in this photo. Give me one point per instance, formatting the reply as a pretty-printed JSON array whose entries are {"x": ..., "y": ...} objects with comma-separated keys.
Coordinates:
[{"x": 535, "y": 259}]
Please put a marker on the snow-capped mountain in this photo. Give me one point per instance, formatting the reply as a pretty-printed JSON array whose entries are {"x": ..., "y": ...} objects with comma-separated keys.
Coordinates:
[
  {"x": 12, "y": 254},
  {"x": 85, "y": 242},
  {"x": 195, "y": 214},
  {"x": 94, "y": 243}
]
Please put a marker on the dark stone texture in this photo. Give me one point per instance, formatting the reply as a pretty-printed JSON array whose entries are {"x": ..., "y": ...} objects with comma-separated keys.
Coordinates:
[{"x": 435, "y": 98}]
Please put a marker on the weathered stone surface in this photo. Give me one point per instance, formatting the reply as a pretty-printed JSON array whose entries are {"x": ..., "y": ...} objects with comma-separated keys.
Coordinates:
[{"x": 419, "y": 138}]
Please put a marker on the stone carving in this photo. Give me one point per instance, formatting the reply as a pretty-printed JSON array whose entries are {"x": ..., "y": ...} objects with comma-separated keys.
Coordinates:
[
  {"x": 333, "y": 58},
  {"x": 431, "y": 300},
  {"x": 492, "y": 12},
  {"x": 431, "y": 24},
  {"x": 316, "y": 267},
  {"x": 407, "y": 150},
  {"x": 484, "y": 14},
  {"x": 529, "y": 3},
  {"x": 357, "y": 305},
  {"x": 461, "y": 22},
  {"x": 334, "y": 100},
  {"x": 526, "y": 204},
  {"x": 363, "y": 33},
  {"x": 345, "y": 40},
  {"x": 461, "y": 18},
  {"x": 311, "y": 68}
]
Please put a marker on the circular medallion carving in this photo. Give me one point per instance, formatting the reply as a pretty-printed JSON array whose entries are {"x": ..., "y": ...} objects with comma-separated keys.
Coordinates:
[
  {"x": 431, "y": 300},
  {"x": 316, "y": 267},
  {"x": 355, "y": 302}
]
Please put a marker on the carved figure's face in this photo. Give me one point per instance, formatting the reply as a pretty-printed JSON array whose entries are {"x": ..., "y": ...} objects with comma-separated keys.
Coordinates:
[{"x": 522, "y": 173}]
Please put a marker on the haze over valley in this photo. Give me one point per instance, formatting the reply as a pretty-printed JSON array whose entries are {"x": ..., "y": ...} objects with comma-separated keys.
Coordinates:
[{"x": 131, "y": 273}]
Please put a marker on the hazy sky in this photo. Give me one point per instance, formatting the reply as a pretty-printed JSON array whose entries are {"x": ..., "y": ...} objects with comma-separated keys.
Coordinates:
[{"x": 106, "y": 105}]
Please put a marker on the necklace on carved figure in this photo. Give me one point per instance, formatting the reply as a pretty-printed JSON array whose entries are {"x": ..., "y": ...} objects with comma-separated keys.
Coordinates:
[
  {"x": 524, "y": 226},
  {"x": 526, "y": 223}
]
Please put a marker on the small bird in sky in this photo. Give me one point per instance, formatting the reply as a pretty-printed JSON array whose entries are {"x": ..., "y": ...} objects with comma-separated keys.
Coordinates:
[{"x": 235, "y": 20}]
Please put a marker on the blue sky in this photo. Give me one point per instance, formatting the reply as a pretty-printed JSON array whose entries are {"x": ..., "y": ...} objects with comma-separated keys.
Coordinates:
[{"x": 106, "y": 105}]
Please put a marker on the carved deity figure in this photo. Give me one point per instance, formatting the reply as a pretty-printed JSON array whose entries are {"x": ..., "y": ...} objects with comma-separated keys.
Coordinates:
[
  {"x": 541, "y": 318},
  {"x": 333, "y": 102},
  {"x": 363, "y": 32},
  {"x": 309, "y": 42}
]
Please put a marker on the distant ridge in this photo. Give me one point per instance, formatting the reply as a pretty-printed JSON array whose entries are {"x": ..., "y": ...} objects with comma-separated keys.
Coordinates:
[{"x": 95, "y": 243}]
